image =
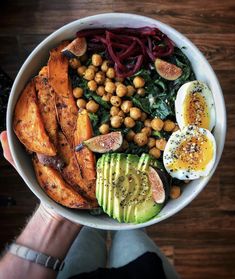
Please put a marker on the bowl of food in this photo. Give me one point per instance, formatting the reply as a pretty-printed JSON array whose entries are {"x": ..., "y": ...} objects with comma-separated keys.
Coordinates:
[{"x": 116, "y": 121}]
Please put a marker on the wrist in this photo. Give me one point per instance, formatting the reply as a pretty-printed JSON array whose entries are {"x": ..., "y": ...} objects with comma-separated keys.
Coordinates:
[{"x": 49, "y": 233}]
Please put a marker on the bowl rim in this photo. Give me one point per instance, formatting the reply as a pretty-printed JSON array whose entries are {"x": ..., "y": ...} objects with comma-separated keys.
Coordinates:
[{"x": 60, "y": 209}]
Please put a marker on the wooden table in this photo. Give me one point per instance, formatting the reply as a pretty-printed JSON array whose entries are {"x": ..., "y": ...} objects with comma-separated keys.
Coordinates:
[{"x": 201, "y": 238}]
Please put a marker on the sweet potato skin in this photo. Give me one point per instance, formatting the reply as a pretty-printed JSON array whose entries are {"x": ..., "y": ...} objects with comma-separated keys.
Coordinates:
[
  {"x": 46, "y": 104},
  {"x": 53, "y": 184},
  {"x": 28, "y": 124},
  {"x": 66, "y": 108},
  {"x": 72, "y": 172}
]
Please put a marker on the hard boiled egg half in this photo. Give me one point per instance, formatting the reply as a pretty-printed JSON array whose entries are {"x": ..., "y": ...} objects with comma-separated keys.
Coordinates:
[
  {"x": 194, "y": 105},
  {"x": 190, "y": 153}
]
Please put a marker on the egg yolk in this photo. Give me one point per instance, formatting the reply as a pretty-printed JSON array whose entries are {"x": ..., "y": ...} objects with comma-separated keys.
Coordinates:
[
  {"x": 195, "y": 110},
  {"x": 193, "y": 153}
]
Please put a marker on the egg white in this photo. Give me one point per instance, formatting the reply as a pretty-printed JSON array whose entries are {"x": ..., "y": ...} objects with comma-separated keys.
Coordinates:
[
  {"x": 184, "y": 91},
  {"x": 174, "y": 142}
]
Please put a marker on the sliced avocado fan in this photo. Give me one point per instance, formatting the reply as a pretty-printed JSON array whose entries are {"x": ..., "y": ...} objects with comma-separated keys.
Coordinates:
[{"x": 123, "y": 189}]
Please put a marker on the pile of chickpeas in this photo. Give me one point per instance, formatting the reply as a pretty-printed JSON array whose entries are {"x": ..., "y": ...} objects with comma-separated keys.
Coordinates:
[{"x": 101, "y": 78}]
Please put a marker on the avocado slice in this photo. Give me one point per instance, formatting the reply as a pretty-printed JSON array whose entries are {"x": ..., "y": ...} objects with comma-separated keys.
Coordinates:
[
  {"x": 149, "y": 160},
  {"x": 123, "y": 188}
]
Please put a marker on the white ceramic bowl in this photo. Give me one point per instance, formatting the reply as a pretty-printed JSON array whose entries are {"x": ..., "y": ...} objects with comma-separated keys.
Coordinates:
[{"x": 39, "y": 58}]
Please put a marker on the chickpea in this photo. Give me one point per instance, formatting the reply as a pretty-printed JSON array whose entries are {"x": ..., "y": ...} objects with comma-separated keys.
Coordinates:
[
  {"x": 74, "y": 63},
  {"x": 81, "y": 103},
  {"x": 115, "y": 101},
  {"x": 129, "y": 122},
  {"x": 168, "y": 126},
  {"x": 77, "y": 92},
  {"x": 155, "y": 152},
  {"x": 161, "y": 144},
  {"x": 89, "y": 74},
  {"x": 151, "y": 142},
  {"x": 121, "y": 113},
  {"x": 147, "y": 131},
  {"x": 92, "y": 106},
  {"x": 107, "y": 80},
  {"x": 126, "y": 105},
  {"x": 121, "y": 90},
  {"x": 110, "y": 73},
  {"x": 81, "y": 70},
  {"x": 143, "y": 116},
  {"x": 93, "y": 67},
  {"x": 157, "y": 124},
  {"x": 130, "y": 135},
  {"x": 114, "y": 111},
  {"x": 116, "y": 121},
  {"x": 141, "y": 91},
  {"x": 175, "y": 192},
  {"x": 104, "y": 129},
  {"x": 141, "y": 139},
  {"x": 130, "y": 90},
  {"x": 105, "y": 66},
  {"x": 106, "y": 97},
  {"x": 96, "y": 60},
  {"x": 100, "y": 77},
  {"x": 147, "y": 123},
  {"x": 100, "y": 91},
  {"x": 117, "y": 83},
  {"x": 176, "y": 128},
  {"x": 110, "y": 87},
  {"x": 138, "y": 82},
  {"x": 135, "y": 113},
  {"x": 92, "y": 85}
]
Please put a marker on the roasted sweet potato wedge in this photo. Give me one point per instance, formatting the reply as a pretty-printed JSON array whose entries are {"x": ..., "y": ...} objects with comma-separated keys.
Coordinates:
[
  {"x": 66, "y": 108},
  {"x": 85, "y": 157},
  {"x": 58, "y": 70},
  {"x": 46, "y": 104},
  {"x": 64, "y": 149},
  {"x": 72, "y": 172},
  {"x": 53, "y": 184},
  {"x": 28, "y": 123}
]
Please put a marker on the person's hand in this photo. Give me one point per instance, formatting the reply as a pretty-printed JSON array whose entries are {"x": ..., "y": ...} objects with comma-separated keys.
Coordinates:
[
  {"x": 6, "y": 148},
  {"x": 43, "y": 210}
]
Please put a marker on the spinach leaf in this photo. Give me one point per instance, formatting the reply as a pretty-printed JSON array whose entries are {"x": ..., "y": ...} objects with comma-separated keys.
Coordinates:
[
  {"x": 161, "y": 134},
  {"x": 104, "y": 116},
  {"x": 99, "y": 118},
  {"x": 135, "y": 149},
  {"x": 138, "y": 126},
  {"x": 142, "y": 103},
  {"x": 95, "y": 122},
  {"x": 161, "y": 109}
]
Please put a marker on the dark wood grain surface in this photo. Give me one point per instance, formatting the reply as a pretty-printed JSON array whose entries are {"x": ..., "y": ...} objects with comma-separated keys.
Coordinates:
[{"x": 201, "y": 238}]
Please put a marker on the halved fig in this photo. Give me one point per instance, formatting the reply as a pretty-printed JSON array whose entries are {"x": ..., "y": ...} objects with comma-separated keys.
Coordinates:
[
  {"x": 167, "y": 70},
  {"x": 76, "y": 48},
  {"x": 159, "y": 185},
  {"x": 103, "y": 143}
]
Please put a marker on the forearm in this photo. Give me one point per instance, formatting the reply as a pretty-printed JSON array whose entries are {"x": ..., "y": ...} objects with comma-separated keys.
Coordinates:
[{"x": 50, "y": 235}]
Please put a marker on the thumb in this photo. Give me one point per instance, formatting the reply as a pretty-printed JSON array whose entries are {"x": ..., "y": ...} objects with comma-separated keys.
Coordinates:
[{"x": 6, "y": 148}]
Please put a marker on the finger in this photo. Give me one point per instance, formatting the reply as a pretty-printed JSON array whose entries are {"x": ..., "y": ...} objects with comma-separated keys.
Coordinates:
[{"x": 5, "y": 147}]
